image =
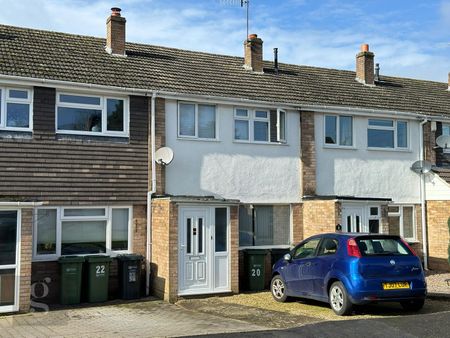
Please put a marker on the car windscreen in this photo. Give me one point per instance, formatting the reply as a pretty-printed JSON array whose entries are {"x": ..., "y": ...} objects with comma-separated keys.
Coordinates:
[{"x": 382, "y": 246}]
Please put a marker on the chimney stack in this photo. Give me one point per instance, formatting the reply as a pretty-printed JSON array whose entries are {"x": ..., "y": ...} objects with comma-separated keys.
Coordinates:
[
  {"x": 365, "y": 66},
  {"x": 115, "y": 33},
  {"x": 253, "y": 52}
]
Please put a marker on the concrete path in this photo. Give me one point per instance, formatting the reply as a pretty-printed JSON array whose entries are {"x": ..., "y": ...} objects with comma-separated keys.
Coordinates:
[{"x": 141, "y": 319}]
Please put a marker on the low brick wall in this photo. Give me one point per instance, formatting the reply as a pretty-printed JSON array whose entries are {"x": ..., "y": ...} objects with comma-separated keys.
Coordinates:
[
  {"x": 438, "y": 213},
  {"x": 320, "y": 216}
]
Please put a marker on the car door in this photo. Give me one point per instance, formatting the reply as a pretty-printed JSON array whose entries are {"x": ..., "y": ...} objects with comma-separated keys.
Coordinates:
[
  {"x": 322, "y": 265},
  {"x": 298, "y": 272}
]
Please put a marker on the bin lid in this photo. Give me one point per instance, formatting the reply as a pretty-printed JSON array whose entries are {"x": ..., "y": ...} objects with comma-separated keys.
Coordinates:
[
  {"x": 130, "y": 257},
  {"x": 98, "y": 259},
  {"x": 71, "y": 259},
  {"x": 280, "y": 251},
  {"x": 256, "y": 251}
]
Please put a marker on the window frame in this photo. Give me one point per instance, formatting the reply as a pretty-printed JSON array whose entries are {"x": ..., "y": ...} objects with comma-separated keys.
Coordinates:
[
  {"x": 399, "y": 214},
  {"x": 338, "y": 135},
  {"x": 196, "y": 137},
  {"x": 251, "y": 119},
  {"x": 275, "y": 246},
  {"x": 447, "y": 125},
  {"x": 102, "y": 106},
  {"x": 394, "y": 128},
  {"x": 61, "y": 218},
  {"x": 4, "y": 98}
]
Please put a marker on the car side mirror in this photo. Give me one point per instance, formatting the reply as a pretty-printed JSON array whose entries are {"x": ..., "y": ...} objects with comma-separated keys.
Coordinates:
[{"x": 287, "y": 257}]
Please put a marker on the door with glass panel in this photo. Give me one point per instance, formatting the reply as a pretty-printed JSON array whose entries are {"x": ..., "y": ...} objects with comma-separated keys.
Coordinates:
[
  {"x": 353, "y": 219},
  {"x": 9, "y": 260},
  {"x": 203, "y": 250}
]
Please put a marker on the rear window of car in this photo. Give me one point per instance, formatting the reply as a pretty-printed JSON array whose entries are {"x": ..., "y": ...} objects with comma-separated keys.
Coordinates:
[{"x": 373, "y": 246}]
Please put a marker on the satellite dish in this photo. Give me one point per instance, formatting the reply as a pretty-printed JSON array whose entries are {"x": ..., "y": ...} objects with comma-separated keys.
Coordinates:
[
  {"x": 164, "y": 156},
  {"x": 421, "y": 167},
  {"x": 443, "y": 141}
]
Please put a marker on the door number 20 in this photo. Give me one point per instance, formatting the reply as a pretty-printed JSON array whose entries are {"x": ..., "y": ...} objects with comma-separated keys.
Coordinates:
[{"x": 256, "y": 272}]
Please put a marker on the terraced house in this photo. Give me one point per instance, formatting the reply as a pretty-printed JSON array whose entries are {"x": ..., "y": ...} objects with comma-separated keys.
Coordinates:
[{"x": 265, "y": 155}]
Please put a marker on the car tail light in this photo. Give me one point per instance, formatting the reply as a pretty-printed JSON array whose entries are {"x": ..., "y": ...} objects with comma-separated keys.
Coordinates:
[
  {"x": 352, "y": 248},
  {"x": 408, "y": 246}
]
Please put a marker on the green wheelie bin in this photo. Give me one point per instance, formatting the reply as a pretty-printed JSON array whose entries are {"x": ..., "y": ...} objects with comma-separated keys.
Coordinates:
[
  {"x": 255, "y": 268},
  {"x": 71, "y": 270},
  {"x": 97, "y": 278}
]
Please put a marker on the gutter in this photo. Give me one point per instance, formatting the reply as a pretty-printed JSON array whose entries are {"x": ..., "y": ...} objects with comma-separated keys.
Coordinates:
[
  {"x": 22, "y": 204},
  {"x": 150, "y": 193},
  {"x": 422, "y": 199}
]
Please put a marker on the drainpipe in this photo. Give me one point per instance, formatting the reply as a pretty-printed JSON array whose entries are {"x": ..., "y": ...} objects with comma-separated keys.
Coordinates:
[
  {"x": 422, "y": 198},
  {"x": 149, "y": 195}
]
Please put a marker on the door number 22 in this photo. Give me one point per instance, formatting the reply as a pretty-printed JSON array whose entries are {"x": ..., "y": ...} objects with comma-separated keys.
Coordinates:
[{"x": 100, "y": 270}]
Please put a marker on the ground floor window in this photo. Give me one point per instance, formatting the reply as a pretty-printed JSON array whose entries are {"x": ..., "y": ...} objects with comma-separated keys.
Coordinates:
[
  {"x": 402, "y": 221},
  {"x": 79, "y": 231},
  {"x": 264, "y": 225}
]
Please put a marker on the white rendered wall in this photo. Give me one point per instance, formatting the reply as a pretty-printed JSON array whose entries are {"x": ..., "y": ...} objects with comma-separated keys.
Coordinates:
[
  {"x": 437, "y": 189},
  {"x": 251, "y": 173},
  {"x": 360, "y": 172}
]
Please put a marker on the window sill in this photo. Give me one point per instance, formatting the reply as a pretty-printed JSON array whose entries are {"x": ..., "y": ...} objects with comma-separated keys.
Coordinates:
[
  {"x": 390, "y": 149},
  {"x": 287, "y": 246},
  {"x": 262, "y": 143},
  {"x": 92, "y": 138},
  {"x": 15, "y": 134},
  {"x": 54, "y": 258},
  {"x": 329, "y": 146},
  {"x": 92, "y": 134},
  {"x": 198, "y": 139}
]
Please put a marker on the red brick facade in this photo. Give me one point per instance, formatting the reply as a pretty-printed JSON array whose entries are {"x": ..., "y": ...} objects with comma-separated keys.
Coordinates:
[{"x": 438, "y": 213}]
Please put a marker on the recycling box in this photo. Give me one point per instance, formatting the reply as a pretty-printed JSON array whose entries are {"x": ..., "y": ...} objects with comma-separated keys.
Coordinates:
[
  {"x": 130, "y": 276},
  {"x": 71, "y": 270},
  {"x": 255, "y": 268},
  {"x": 97, "y": 278}
]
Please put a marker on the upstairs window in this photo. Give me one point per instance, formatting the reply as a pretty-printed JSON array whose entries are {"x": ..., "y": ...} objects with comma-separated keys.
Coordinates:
[
  {"x": 92, "y": 115},
  {"x": 339, "y": 130},
  {"x": 15, "y": 109},
  {"x": 197, "y": 121},
  {"x": 259, "y": 125},
  {"x": 387, "y": 134}
]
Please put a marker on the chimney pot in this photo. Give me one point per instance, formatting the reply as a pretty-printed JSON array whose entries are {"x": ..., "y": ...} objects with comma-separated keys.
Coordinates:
[
  {"x": 365, "y": 66},
  {"x": 115, "y": 11},
  {"x": 253, "y": 52},
  {"x": 115, "y": 33}
]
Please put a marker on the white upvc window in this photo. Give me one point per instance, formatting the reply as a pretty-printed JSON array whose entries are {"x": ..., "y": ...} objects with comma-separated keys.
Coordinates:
[
  {"x": 60, "y": 231},
  {"x": 387, "y": 134},
  {"x": 255, "y": 125},
  {"x": 197, "y": 121},
  {"x": 16, "y": 107},
  {"x": 338, "y": 131},
  {"x": 374, "y": 219},
  {"x": 402, "y": 221},
  {"x": 446, "y": 131},
  {"x": 86, "y": 114}
]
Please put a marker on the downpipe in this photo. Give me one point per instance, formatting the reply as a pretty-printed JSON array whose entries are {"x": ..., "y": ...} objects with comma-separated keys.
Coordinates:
[{"x": 423, "y": 199}]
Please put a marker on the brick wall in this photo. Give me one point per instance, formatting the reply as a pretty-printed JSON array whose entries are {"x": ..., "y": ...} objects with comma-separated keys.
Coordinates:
[
  {"x": 429, "y": 141},
  {"x": 308, "y": 154},
  {"x": 234, "y": 248},
  {"x": 25, "y": 259},
  {"x": 139, "y": 229},
  {"x": 160, "y": 141},
  {"x": 297, "y": 223},
  {"x": 438, "y": 213},
  {"x": 165, "y": 249},
  {"x": 320, "y": 217},
  {"x": 115, "y": 34}
]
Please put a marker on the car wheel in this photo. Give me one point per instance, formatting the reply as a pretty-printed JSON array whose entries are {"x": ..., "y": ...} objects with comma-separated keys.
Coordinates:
[
  {"x": 339, "y": 300},
  {"x": 413, "y": 305},
  {"x": 278, "y": 289}
]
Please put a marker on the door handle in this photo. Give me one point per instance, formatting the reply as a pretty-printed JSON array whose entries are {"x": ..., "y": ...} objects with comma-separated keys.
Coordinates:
[{"x": 308, "y": 264}]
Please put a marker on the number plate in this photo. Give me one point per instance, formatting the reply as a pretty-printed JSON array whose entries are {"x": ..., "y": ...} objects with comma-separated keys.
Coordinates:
[{"x": 395, "y": 285}]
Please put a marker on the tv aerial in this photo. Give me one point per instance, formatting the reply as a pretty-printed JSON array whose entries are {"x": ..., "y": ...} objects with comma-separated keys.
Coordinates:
[
  {"x": 243, "y": 3},
  {"x": 164, "y": 156},
  {"x": 443, "y": 141},
  {"x": 421, "y": 167}
]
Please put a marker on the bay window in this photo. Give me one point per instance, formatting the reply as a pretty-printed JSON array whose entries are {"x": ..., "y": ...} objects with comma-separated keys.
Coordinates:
[
  {"x": 384, "y": 133},
  {"x": 264, "y": 225},
  {"x": 79, "y": 231},
  {"x": 15, "y": 109},
  {"x": 91, "y": 115},
  {"x": 197, "y": 121}
]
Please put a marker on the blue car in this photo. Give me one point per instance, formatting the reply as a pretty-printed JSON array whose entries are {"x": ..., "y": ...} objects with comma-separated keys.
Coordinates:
[{"x": 344, "y": 269}]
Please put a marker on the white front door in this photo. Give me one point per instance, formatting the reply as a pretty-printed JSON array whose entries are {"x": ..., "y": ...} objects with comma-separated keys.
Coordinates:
[
  {"x": 354, "y": 219},
  {"x": 203, "y": 250},
  {"x": 9, "y": 260}
]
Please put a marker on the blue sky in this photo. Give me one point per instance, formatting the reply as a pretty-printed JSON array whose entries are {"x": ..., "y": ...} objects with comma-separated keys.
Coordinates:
[{"x": 409, "y": 38}]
